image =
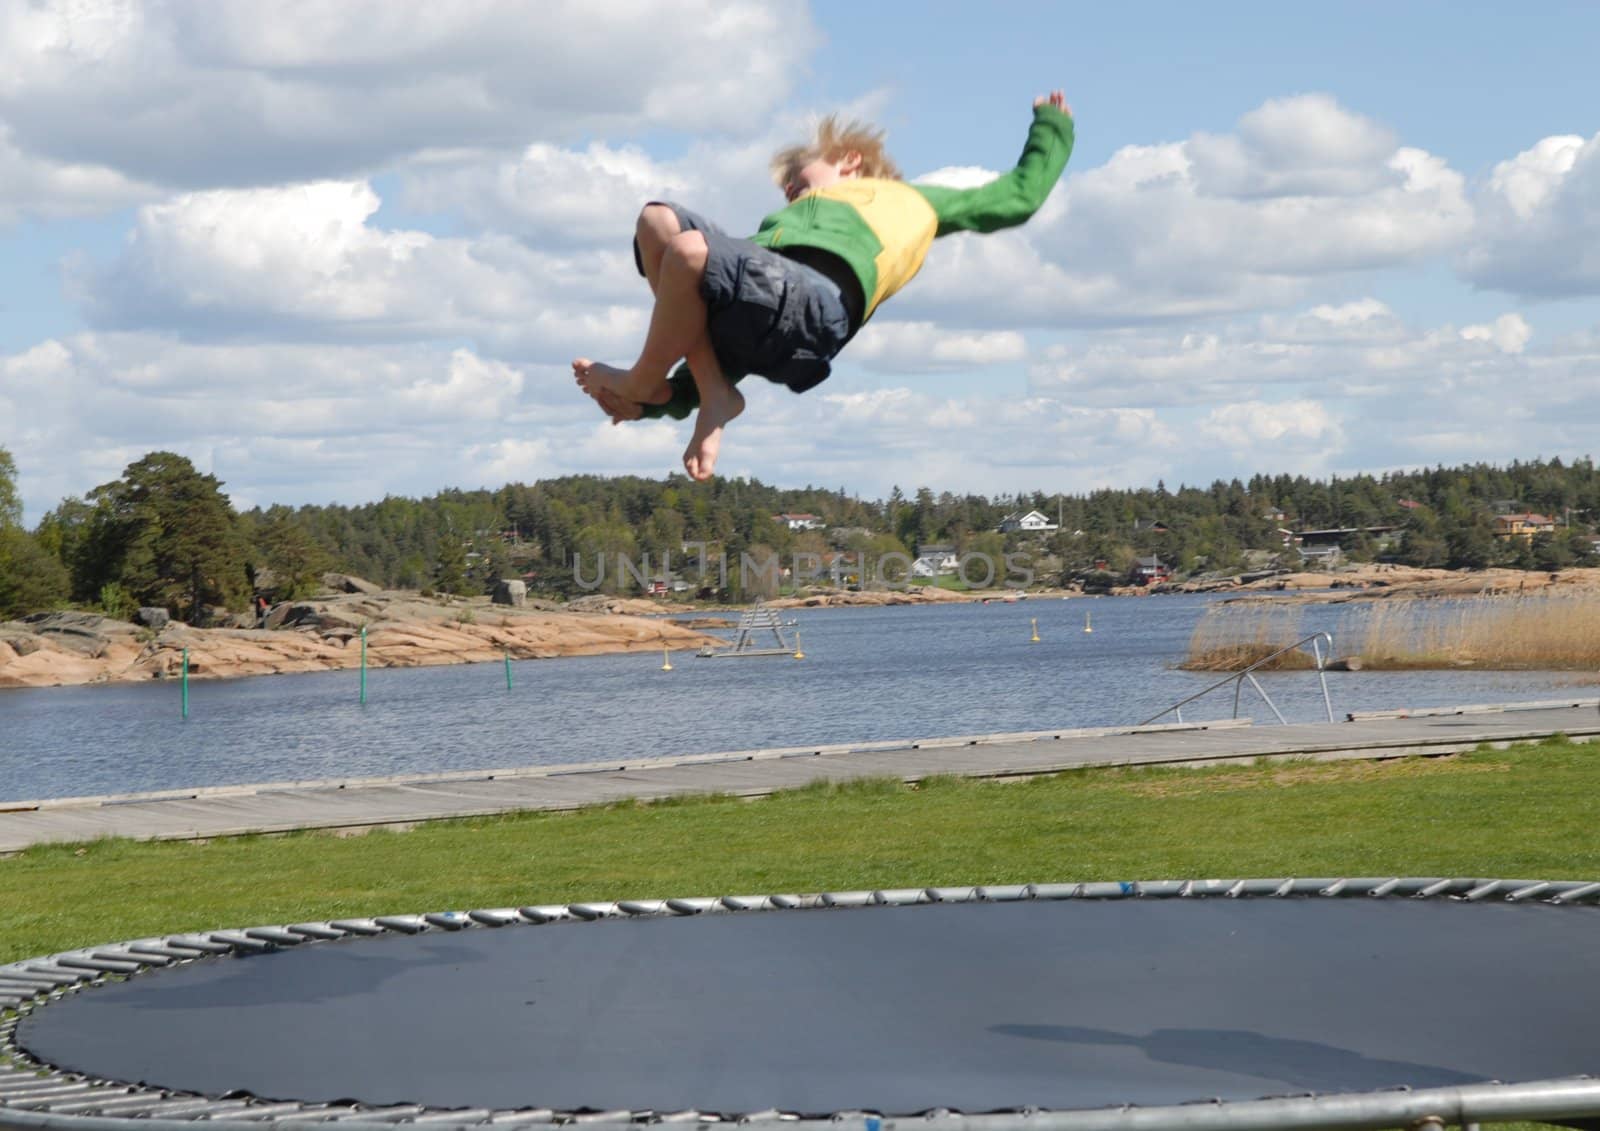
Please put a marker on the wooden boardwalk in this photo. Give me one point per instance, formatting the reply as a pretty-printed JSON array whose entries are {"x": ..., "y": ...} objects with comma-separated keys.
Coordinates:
[{"x": 366, "y": 802}]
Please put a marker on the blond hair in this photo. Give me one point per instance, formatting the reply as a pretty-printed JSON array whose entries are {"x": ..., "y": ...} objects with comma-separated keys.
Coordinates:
[{"x": 833, "y": 140}]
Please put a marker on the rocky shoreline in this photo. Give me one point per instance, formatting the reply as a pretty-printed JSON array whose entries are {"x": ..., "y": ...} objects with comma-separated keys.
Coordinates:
[
  {"x": 1381, "y": 582},
  {"x": 402, "y": 630},
  {"x": 406, "y": 630}
]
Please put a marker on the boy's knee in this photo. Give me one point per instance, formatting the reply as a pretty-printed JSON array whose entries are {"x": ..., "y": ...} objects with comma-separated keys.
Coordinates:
[
  {"x": 657, "y": 221},
  {"x": 688, "y": 250}
]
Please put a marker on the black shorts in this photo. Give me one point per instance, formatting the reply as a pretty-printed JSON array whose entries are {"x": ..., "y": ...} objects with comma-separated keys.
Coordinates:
[{"x": 767, "y": 314}]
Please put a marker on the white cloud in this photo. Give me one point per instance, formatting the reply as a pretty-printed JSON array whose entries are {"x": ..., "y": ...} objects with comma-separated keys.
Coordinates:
[
  {"x": 902, "y": 347},
  {"x": 1538, "y": 229},
  {"x": 1304, "y": 146},
  {"x": 1509, "y": 333},
  {"x": 304, "y": 262},
  {"x": 560, "y": 195},
  {"x": 1251, "y": 425},
  {"x": 34, "y": 186},
  {"x": 1357, "y": 348},
  {"x": 201, "y": 94},
  {"x": 1303, "y": 190}
]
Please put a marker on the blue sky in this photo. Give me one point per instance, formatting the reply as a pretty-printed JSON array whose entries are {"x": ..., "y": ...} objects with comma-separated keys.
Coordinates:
[{"x": 338, "y": 252}]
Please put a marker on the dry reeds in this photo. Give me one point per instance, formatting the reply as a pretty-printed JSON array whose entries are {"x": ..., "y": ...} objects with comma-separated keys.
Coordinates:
[
  {"x": 1232, "y": 636},
  {"x": 1546, "y": 632}
]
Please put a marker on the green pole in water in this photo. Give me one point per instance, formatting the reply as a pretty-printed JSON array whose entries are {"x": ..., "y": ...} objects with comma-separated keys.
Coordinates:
[
  {"x": 363, "y": 664},
  {"x": 508, "y": 669},
  {"x": 186, "y": 683}
]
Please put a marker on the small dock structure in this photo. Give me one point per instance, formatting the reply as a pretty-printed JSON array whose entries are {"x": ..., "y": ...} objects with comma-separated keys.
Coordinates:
[{"x": 759, "y": 633}]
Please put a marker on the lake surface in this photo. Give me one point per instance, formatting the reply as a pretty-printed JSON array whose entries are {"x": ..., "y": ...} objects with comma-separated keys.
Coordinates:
[{"x": 870, "y": 673}]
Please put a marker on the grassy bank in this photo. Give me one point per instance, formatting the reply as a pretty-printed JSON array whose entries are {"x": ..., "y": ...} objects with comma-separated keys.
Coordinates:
[
  {"x": 1525, "y": 812},
  {"x": 1544, "y": 632}
]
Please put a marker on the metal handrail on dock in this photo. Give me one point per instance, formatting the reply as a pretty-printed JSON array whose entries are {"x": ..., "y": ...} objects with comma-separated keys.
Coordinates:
[{"x": 1238, "y": 678}]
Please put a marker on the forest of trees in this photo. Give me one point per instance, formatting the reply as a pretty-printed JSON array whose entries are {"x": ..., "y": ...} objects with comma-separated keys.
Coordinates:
[{"x": 163, "y": 534}]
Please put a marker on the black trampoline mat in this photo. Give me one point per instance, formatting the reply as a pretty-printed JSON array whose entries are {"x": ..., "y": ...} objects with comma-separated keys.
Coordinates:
[{"x": 970, "y": 1006}]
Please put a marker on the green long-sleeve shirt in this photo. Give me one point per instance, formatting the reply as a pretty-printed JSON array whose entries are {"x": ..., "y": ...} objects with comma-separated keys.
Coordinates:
[{"x": 882, "y": 228}]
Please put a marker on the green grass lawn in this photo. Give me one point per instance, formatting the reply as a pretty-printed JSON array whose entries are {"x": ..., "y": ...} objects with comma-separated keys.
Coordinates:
[{"x": 1525, "y": 812}]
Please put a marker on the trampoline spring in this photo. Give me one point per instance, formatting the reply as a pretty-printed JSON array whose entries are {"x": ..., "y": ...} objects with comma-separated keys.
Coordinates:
[
  {"x": 405, "y": 924},
  {"x": 741, "y": 902},
  {"x": 317, "y": 930},
  {"x": 592, "y": 911},
  {"x": 523, "y": 1115},
  {"x": 239, "y": 941},
  {"x": 644, "y": 906},
  {"x": 467, "y": 1115},
  {"x": 953, "y": 895},
  {"x": 396, "y": 1114},
  {"x": 1578, "y": 894},
  {"x": 846, "y": 898},
  {"x": 900, "y": 897},
  {"x": 1529, "y": 892},
  {"x": 100, "y": 965},
  {"x": 500, "y": 917},
  {"x": 59, "y": 976},
  {"x": 280, "y": 936},
  {"x": 1052, "y": 891},
  {"x": 546, "y": 914},
  {"x": 255, "y": 1111},
  {"x": 1482, "y": 891},
  {"x": 43, "y": 1093},
  {"x": 196, "y": 945},
  {"x": 449, "y": 920},
  {"x": 698, "y": 906},
  {"x": 357, "y": 926},
  {"x": 1003, "y": 893},
  {"x": 765, "y": 1115},
  {"x": 151, "y": 957},
  {"x": 1386, "y": 887},
  {"x": 110, "y": 1100}
]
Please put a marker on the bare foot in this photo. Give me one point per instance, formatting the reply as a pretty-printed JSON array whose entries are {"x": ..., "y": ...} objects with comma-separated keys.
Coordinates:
[
  {"x": 618, "y": 408},
  {"x": 596, "y": 375},
  {"x": 700, "y": 460}
]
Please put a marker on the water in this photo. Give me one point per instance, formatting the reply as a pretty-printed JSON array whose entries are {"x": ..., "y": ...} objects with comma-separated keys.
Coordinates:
[{"x": 871, "y": 673}]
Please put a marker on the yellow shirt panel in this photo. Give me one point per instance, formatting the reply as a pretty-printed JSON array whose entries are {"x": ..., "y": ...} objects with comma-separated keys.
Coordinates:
[{"x": 903, "y": 222}]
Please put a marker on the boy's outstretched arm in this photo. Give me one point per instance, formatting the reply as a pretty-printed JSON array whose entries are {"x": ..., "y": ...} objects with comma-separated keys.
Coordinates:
[{"x": 1011, "y": 198}]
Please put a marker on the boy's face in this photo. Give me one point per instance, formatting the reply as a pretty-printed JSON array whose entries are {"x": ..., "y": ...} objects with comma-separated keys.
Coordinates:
[{"x": 820, "y": 172}]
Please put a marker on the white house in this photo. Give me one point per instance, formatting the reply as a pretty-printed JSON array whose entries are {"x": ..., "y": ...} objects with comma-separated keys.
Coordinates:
[
  {"x": 1033, "y": 520},
  {"x": 932, "y": 561},
  {"x": 799, "y": 521}
]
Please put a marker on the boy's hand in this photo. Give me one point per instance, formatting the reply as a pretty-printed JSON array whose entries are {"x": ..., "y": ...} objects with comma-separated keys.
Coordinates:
[{"x": 1056, "y": 99}]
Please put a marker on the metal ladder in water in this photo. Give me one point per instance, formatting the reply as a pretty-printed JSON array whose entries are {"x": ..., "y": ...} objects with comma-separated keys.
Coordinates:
[{"x": 1316, "y": 640}]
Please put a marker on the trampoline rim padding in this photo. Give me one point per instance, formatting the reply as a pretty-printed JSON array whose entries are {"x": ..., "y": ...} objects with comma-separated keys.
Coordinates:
[{"x": 36, "y": 1096}]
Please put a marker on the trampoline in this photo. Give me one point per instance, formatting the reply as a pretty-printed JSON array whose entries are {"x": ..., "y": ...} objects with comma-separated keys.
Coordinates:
[{"x": 1192, "y": 1004}]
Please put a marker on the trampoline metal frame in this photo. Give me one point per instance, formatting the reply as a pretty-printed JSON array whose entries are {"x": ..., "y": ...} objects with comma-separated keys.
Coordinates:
[{"x": 37, "y": 1097}]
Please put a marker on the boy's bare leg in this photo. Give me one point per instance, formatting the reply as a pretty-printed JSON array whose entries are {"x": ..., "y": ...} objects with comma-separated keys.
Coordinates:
[
  {"x": 656, "y": 226},
  {"x": 653, "y": 231},
  {"x": 677, "y": 321},
  {"x": 720, "y": 402}
]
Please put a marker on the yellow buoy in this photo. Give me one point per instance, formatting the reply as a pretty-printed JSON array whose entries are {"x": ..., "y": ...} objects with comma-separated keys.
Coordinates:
[
  {"x": 1035, "y": 639},
  {"x": 798, "y": 654},
  {"x": 666, "y": 659},
  {"x": 1087, "y": 626}
]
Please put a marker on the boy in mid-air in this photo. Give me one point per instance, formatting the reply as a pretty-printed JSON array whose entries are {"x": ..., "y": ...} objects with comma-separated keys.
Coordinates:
[{"x": 783, "y": 303}]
